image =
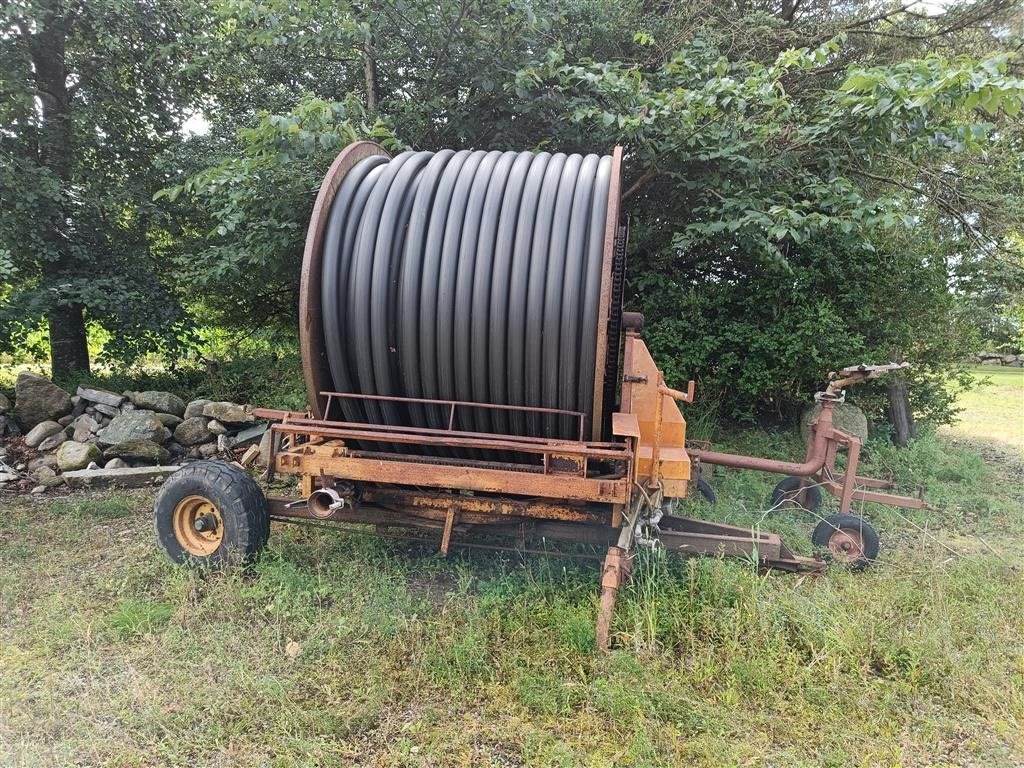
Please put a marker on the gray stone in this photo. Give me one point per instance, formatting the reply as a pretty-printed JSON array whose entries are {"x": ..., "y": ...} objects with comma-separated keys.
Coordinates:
[
  {"x": 169, "y": 420},
  {"x": 216, "y": 427},
  {"x": 85, "y": 427},
  {"x": 128, "y": 477},
  {"x": 250, "y": 435},
  {"x": 65, "y": 420},
  {"x": 5, "y": 403},
  {"x": 849, "y": 418},
  {"x": 115, "y": 464},
  {"x": 8, "y": 477},
  {"x": 100, "y": 396},
  {"x": 38, "y": 399},
  {"x": 46, "y": 460},
  {"x": 127, "y": 407},
  {"x": 53, "y": 441},
  {"x": 137, "y": 425},
  {"x": 228, "y": 413},
  {"x": 40, "y": 432},
  {"x": 106, "y": 410},
  {"x": 1008, "y": 359},
  {"x": 193, "y": 431},
  {"x": 208, "y": 450},
  {"x": 265, "y": 444},
  {"x": 72, "y": 455},
  {"x": 161, "y": 402},
  {"x": 138, "y": 450},
  {"x": 991, "y": 361},
  {"x": 195, "y": 408},
  {"x": 46, "y": 476},
  {"x": 38, "y": 489}
]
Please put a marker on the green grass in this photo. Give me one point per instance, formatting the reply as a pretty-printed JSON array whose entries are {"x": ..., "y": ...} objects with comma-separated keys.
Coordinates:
[
  {"x": 349, "y": 650},
  {"x": 995, "y": 409}
]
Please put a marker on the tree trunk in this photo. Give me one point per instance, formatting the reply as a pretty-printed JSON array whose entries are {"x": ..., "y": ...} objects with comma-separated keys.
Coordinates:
[
  {"x": 69, "y": 352},
  {"x": 900, "y": 414},
  {"x": 370, "y": 74}
]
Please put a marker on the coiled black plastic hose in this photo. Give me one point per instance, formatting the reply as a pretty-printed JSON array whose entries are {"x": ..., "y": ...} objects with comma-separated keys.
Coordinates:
[{"x": 471, "y": 276}]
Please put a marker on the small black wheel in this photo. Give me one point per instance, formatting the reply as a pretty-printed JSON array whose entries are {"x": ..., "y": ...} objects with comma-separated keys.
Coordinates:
[
  {"x": 789, "y": 494},
  {"x": 847, "y": 539},
  {"x": 706, "y": 490},
  {"x": 211, "y": 512}
]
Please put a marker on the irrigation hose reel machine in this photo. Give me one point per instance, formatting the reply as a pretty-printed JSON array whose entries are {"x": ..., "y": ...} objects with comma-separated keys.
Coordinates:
[{"x": 469, "y": 371}]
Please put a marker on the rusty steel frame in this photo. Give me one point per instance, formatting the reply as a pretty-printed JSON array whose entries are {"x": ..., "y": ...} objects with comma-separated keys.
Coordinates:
[
  {"x": 575, "y": 491},
  {"x": 819, "y": 465},
  {"x": 311, "y": 331}
]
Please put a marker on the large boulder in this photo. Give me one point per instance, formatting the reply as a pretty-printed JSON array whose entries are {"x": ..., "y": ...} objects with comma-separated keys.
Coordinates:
[
  {"x": 161, "y": 402},
  {"x": 135, "y": 425},
  {"x": 193, "y": 431},
  {"x": 40, "y": 432},
  {"x": 849, "y": 418},
  {"x": 38, "y": 399},
  {"x": 73, "y": 455},
  {"x": 138, "y": 450},
  {"x": 231, "y": 414}
]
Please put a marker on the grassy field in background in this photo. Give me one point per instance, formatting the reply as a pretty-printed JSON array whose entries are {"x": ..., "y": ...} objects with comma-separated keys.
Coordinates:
[
  {"x": 994, "y": 410},
  {"x": 349, "y": 650}
]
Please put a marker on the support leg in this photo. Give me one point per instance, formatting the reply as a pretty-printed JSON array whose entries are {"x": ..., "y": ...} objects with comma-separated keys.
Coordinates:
[{"x": 613, "y": 575}]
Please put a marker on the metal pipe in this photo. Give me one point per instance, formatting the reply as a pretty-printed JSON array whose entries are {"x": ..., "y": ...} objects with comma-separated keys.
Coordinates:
[
  {"x": 814, "y": 461},
  {"x": 324, "y": 502}
]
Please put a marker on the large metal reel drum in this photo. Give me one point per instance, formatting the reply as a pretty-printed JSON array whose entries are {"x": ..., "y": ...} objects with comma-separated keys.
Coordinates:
[{"x": 470, "y": 276}]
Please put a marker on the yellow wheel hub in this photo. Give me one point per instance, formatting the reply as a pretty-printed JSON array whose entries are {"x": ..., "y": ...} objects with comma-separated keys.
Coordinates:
[{"x": 198, "y": 526}]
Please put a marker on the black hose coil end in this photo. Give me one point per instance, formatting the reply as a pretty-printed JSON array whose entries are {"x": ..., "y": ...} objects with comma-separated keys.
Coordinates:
[{"x": 471, "y": 276}]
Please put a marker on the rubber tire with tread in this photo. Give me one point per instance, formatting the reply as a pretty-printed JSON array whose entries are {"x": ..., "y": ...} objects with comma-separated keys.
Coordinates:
[
  {"x": 242, "y": 506},
  {"x": 824, "y": 530},
  {"x": 788, "y": 485}
]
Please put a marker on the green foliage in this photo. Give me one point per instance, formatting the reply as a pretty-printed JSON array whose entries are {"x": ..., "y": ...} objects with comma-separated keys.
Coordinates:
[
  {"x": 760, "y": 144},
  {"x": 135, "y": 617},
  {"x": 92, "y": 92},
  {"x": 246, "y": 269},
  {"x": 764, "y": 343},
  {"x": 746, "y": 162}
]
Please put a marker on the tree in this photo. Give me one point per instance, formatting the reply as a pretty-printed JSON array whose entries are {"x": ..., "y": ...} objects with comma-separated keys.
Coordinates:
[
  {"x": 93, "y": 92},
  {"x": 805, "y": 130}
]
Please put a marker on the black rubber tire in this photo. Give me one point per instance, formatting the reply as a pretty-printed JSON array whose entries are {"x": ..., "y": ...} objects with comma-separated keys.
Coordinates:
[
  {"x": 241, "y": 503},
  {"x": 787, "y": 486},
  {"x": 846, "y": 521}
]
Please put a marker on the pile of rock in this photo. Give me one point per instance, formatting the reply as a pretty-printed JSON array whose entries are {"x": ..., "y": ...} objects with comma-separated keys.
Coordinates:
[
  {"x": 95, "y": 429},
  {"x": 998, "y": 358}
]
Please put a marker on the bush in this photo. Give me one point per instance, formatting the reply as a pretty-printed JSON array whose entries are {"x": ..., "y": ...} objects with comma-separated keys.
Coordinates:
[{"x": 761, "y": 347}]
